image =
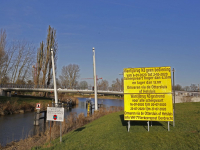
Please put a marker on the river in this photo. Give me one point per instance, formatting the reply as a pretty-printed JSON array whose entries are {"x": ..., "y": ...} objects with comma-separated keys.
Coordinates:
[{"x": 19, "y": 126}]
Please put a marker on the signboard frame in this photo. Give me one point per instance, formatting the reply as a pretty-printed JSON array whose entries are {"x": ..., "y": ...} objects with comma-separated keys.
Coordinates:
[{"x": 148, "y": 81}]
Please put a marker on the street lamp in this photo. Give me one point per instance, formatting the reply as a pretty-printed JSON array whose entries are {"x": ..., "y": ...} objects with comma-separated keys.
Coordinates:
[
  {"x": 95, "y": 80},
  {"x": 54, "y": 79}
]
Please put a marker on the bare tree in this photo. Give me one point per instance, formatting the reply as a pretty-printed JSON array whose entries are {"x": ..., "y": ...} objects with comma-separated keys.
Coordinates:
[
  {"x": 193, "y": 87},
  {"x": 16, "y": 60},
  {"x": 21, "y": 62},
  {"x": 83, "y": 85},
  {"x": 103, "y": 85},
  {"x": 2, "y": 52},
  {"x": 8, "y": 66},
  {"x": 186, "y": 88},
  {"x": 178, "y": 87},
  {"x": 118, "y": 84},
  {"x": 69, "y": 75}
]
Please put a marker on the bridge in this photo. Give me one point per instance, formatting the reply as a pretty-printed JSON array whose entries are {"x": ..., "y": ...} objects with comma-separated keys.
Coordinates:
[{"x": 5, "y": 90}]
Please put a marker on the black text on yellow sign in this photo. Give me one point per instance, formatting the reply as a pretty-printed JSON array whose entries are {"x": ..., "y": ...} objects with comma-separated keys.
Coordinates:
[
  {"x": 147, "y": 80},
  {"x": 147, "y": 94},
  {"x": 152, "y": 107}
]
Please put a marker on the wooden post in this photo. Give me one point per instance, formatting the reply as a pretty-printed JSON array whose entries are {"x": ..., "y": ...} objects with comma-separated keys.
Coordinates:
[{"x": 37, "y": 118}]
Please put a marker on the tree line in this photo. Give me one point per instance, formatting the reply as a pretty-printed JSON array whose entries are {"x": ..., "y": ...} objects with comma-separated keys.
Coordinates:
[
  {"x": 22, "y": 63},
  {"x": 191, "y": 88},
  {"x": 16, "y": 59}
]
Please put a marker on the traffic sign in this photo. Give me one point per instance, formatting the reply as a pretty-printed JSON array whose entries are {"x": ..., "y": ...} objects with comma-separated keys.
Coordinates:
[{"x": 38, "y": 106}]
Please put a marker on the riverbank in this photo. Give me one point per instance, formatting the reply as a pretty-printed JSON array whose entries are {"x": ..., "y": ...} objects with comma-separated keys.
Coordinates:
[
  {"x": 110, "y": 132},
  {"x": 72, "y": 122},
  {"x": 100, "y": 96},
  {"x": 26, "y": 103}
]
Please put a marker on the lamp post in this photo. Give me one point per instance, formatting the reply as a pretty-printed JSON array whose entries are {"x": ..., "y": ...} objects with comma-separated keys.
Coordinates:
[
  {"x": 95, "y": 80},
  {"x": 54, "y": 79}
]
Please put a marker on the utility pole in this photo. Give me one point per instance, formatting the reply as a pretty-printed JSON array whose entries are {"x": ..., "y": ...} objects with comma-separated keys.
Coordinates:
[
  {"x": 54, "y": 79},
  {"x": 95, "y": 81}
]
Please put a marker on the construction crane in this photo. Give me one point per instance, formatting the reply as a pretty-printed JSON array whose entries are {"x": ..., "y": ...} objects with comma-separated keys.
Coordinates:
[{"x": 92, "y": 78}]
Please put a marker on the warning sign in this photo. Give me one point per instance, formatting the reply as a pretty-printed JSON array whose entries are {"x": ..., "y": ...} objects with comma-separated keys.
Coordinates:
[
  {"x": 38, "y": 106},
  {"x": 55, "y": 114},
  {"x": 147, "y": 94}
]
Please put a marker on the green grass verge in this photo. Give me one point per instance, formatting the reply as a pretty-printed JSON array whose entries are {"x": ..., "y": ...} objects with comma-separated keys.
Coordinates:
[{"x": 110, "y": 132}]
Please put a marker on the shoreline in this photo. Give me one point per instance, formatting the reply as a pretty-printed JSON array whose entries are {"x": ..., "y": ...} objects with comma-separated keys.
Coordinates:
[{"x": 100, "y": 97}]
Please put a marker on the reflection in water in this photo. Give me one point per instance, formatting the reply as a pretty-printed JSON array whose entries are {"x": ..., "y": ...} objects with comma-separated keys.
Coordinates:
[{"x": 19, "y": 126}]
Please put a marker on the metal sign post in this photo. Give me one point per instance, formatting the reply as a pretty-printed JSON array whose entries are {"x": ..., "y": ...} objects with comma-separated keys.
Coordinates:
[
  {"x": 95, "y": 80},
  {"x": 174, "y": 98},
  {"x": 168, "y": 126},
  {"x": 129, "y": 125}
]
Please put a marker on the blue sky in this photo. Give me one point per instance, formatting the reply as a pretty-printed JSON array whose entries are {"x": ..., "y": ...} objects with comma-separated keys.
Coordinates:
[{"x": 128, "y": 33}]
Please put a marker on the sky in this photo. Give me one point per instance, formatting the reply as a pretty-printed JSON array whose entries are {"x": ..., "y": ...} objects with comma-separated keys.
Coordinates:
[{"x": 125, "y": 33}]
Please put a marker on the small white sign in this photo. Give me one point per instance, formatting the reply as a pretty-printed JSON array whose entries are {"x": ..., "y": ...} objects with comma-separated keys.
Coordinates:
[
  {"x": 38, "y": 106},
  {"x": 55, "y": 114}
]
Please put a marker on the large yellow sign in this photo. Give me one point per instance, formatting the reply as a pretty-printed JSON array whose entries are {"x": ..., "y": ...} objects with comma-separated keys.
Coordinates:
[
  {"x": 147, "y": 94},
  {"x": 147, "y": 80}
]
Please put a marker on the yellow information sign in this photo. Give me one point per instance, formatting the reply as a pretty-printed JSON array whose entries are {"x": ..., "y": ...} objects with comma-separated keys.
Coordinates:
[
  {"x": 147, "y": 94},
  {"x": 150, "y": 107},
  {"x": 147, "y": 80}
]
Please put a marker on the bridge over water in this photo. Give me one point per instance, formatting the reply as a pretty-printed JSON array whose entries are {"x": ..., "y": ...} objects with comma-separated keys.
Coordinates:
[{"x": 5, "y": 90}]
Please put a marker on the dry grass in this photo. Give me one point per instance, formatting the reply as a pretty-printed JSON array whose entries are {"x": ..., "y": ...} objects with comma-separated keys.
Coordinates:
[
  {"x": 73, "y": 122},
  {"x": 27, "y": 106},
  {"x": 66, "y": 98},
  {"x": 11, "y": 107}
]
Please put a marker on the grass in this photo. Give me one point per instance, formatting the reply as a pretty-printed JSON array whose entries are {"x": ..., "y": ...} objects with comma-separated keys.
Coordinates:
[{"x": 110, "y": 132}]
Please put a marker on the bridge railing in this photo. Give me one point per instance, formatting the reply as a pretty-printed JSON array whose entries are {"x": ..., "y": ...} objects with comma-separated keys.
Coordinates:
[
  {"x": 24, "y": 86},
  {"x": 31, "y": 86}
]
